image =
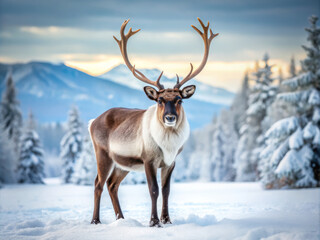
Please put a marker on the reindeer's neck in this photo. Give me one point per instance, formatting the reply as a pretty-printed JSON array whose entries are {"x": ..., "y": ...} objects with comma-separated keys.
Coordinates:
[{"x": 169, "y": 139}]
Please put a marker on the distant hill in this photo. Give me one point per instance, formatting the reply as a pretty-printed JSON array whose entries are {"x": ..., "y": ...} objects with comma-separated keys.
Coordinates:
[
  {"x": 50, "y": 89},
  {"x": 121, "y": 74}
]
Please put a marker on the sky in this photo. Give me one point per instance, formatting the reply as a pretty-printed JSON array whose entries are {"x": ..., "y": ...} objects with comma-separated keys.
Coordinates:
[{"x": 79, "y": 33}]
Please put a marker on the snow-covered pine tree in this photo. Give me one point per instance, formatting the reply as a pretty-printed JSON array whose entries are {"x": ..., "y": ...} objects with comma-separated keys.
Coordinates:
[
  {"x": 292, "y": 155},
  {"x": 240, "y": 104},
  {"x": 7, "y": 165},
  {"x": 212, "y": 151},
  {"x": 231, "y": 141},
  {"x": 202, "y": 155},
  {"x": 223, "y": 147},
  {"x": 200, "y": 165},
  {"x": 251, "y": 141},
  {"x": 31, "y": 166},
  {"x": 86, "y": 166},
  {"x": 218, "y": 144},
  {"x": 11, "y": 118},
  {"x": 264, "y": 94},
  {"x": 71, "y": 145},
  {"x": 181, "y": 172},
  {"x": 280, "y": 109}
]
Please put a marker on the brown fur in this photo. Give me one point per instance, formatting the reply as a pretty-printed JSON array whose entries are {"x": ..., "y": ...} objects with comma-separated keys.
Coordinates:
[{"x": 125, "y": 125}]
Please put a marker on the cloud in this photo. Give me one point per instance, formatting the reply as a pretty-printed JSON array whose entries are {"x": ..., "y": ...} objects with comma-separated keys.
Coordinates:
[
  {"x": 64, "y": 32},
  {"x": 163, "y": 15},
  {"x": 45, "y": 31},
  {"x": 229, "y": 46}
]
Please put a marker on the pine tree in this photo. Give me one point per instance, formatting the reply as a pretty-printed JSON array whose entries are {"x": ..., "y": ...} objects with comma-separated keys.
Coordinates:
[
  {"x": 179, "y": 174},
  {"x": 204, "y": 153},
  {"x": 71, "y": 145},
  {"x": 292, "y": 68},
  {"x": 211, "y": 157},
  {"x": 280, "y": 76},
  {"x": 223, "y": 147},
  {"x": 292, "y": 155},
  {"x": 228, "y": 121},
  {"x": 31, "y": 166},
  {"x": 251, "y": 141},
  {"x": 182, "y": 166},
  {"x": 7, "y": 165},
  {"x": 240, "y": 104},
  {"x": 86, "y": 166},
  {"x": 199, "y": 164},
  {"x": 11, "y": 118}
]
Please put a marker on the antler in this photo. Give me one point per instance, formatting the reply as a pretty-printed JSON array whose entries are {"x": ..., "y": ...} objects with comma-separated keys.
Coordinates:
[
  {"x": 123, "y": 48},
  {"x": 207, "y": 42}
]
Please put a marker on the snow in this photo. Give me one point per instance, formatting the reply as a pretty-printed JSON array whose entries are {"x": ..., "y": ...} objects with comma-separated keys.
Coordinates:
[
  {"x": 279, "y": 153},
  {"x": 316, "y": 139},
  {"x": 198, "y": 211},
  {"x": 282, "y": 127},
  {"x": 296, "y": 140},
  {"x": 314, "y": 98},
  {"x": 316, "y": 115},
  {"x": 289, "y": 163},
  {"x": 294, "y": 97},
  {"x": 309, "y": 131},
  {"x": 300, "y": 80}
]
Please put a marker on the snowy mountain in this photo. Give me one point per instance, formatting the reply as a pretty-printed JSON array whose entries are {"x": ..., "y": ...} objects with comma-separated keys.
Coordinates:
[
  {"x": 49, "y": 90},
  {"x": 121, "y": 74}
]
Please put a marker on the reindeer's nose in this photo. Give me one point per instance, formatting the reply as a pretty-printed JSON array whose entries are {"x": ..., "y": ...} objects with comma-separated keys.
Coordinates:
[{"x": 171, "y": 118}]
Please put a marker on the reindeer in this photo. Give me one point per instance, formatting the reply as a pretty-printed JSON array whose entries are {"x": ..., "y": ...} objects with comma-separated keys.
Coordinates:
[{"x": 143, "y": 140}]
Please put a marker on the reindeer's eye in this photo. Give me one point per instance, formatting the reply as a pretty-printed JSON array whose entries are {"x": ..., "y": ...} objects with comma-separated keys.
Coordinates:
[
  {"x": 179, "y": 102},
  {"x": 159, "y": 101}
]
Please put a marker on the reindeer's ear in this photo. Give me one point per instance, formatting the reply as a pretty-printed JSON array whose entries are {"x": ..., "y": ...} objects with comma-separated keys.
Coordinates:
[
  {"x": 151, "y": 93},
  {"x": 188, "y": 91}
]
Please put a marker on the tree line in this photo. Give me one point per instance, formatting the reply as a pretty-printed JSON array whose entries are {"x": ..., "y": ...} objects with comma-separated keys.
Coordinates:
[
  {"x": 270, "y": 133},
  {"x": 21, "y": 151}
]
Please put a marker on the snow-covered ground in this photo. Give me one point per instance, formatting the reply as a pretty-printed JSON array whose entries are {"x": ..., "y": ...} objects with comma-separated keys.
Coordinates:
[{"x": 198, "y": 211}]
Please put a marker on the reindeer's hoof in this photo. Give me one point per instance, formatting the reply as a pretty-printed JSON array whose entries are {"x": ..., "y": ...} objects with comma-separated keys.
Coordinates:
[
  {"x": 95, "y": 221},
  {"x": 155, "y": 223},
  {"x": 119, "y": 217},
  {"x": 165, "y": 220}
]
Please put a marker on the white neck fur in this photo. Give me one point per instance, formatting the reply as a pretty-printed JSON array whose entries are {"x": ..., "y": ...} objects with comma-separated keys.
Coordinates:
[{"x": 169, "y": 139}]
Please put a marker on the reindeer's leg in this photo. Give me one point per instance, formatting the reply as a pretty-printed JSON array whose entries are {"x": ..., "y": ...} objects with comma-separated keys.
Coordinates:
[
  {"x": 165, "y": 182},
  {"x": 104, "y": 165},
  {"x": 151, "y": 173},
  {"x": 113, "y": 183}
]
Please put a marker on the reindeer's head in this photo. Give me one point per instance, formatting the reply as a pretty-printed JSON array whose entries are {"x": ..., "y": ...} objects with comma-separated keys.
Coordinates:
[{"x": 169, "y": 101}]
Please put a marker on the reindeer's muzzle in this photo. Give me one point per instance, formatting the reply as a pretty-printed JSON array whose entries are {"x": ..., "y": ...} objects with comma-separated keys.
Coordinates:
[
  {"x": 170, "y": 120},
  {"x": 170, "y": 114}
]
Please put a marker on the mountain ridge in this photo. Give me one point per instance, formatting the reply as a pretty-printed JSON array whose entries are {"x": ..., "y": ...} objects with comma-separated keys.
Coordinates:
[
  {"x": 49, "y": 90},
  {"x": 120, "y": 74}
]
